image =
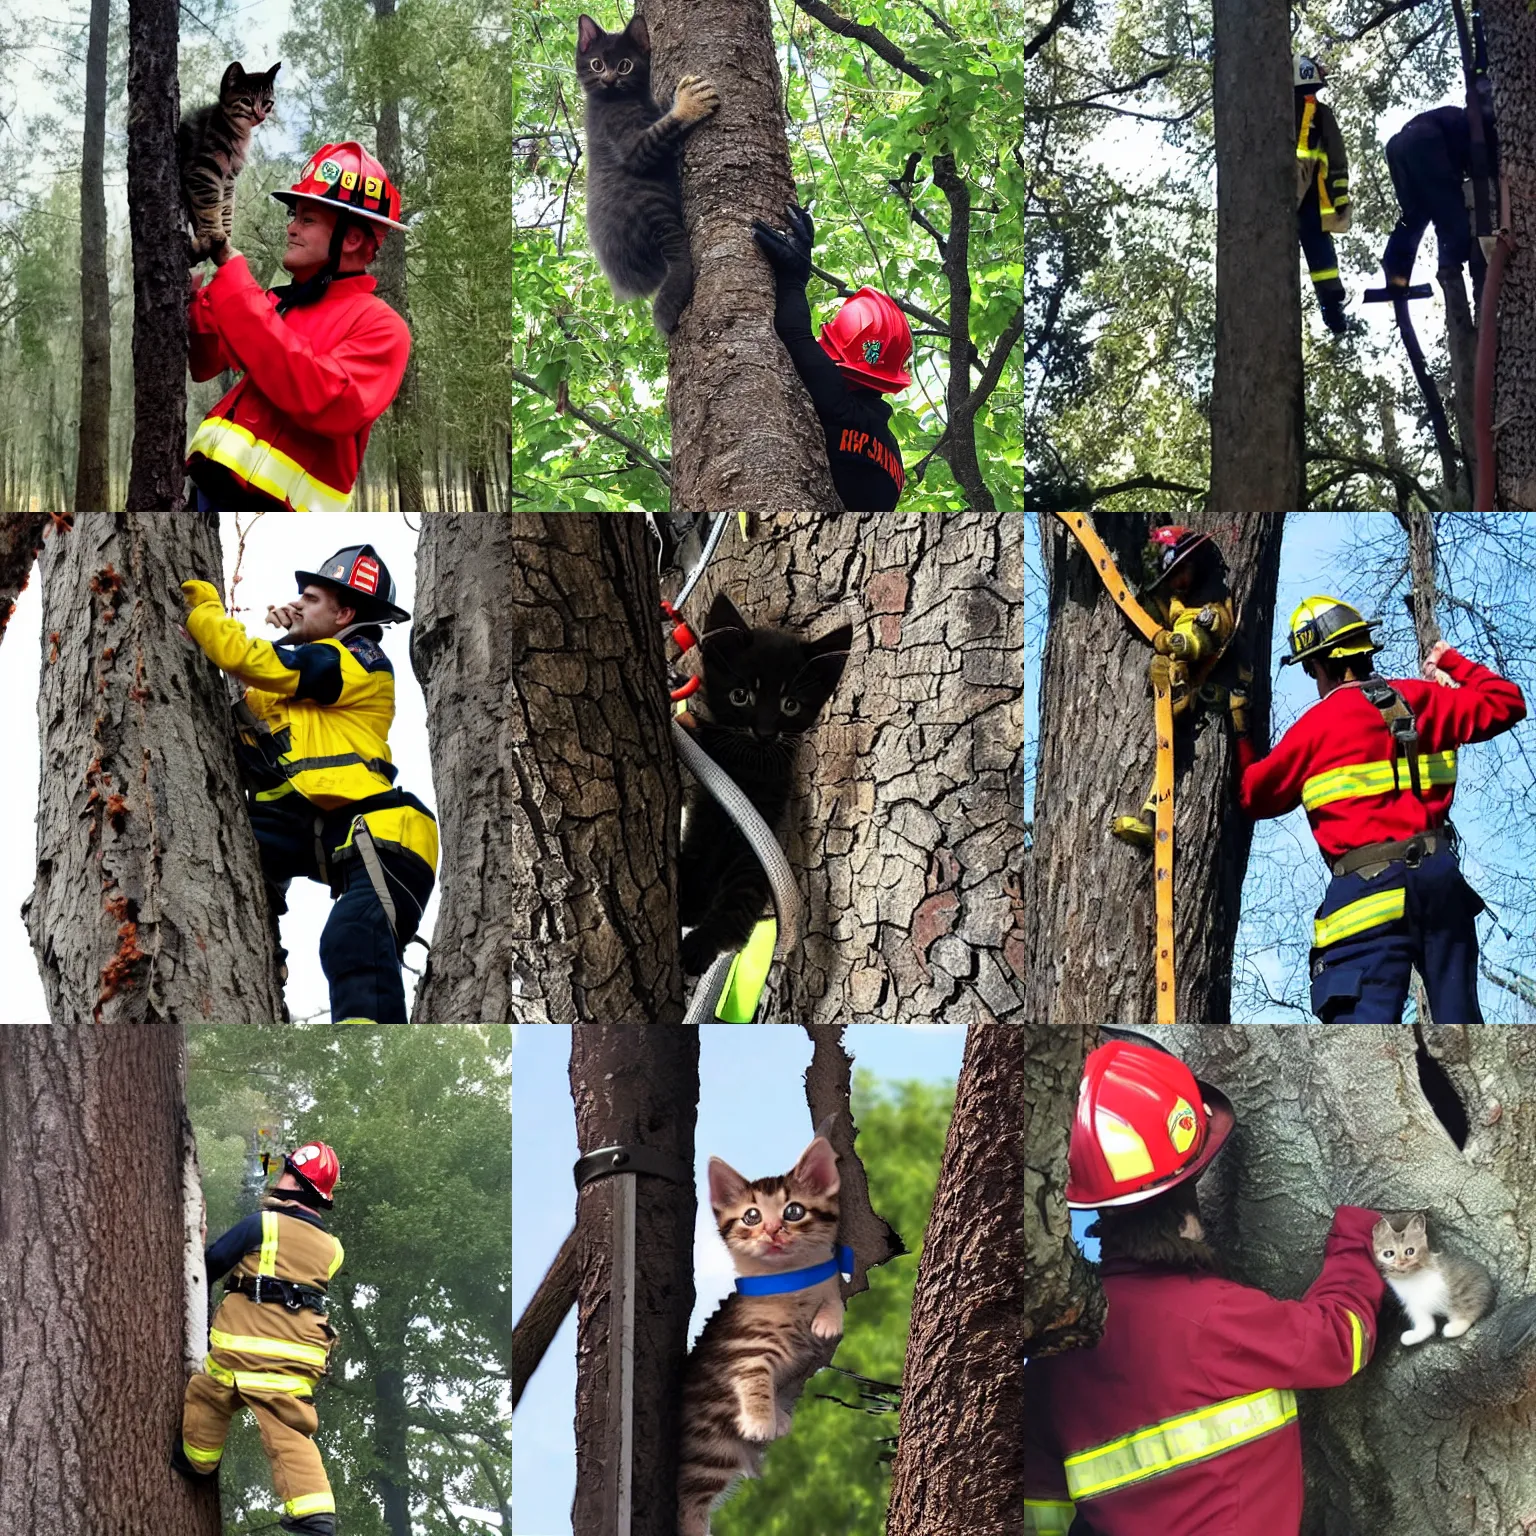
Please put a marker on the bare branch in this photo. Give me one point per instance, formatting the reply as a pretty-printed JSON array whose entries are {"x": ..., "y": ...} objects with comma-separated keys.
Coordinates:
[
  {"x": 639, "y": 450},
  {"x": 1059, "y": 18},
  {"x": 872, "y": 38}
]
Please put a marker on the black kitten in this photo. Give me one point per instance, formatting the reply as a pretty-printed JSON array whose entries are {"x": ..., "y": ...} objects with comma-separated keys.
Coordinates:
[
  {"x": 763, "y": 688},
  {"x": 634, "y": 196}
]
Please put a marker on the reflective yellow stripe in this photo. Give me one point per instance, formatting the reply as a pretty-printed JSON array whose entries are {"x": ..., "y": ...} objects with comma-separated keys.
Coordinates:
[
  {"x": 275, "y": 794},
  {"x": 311, "y": 1504},
  {"x": 267, "y": 1264},
  {"x": 199, "y": 1457},
  {"x": 1324, "y": 273},
  {"x": 1176, "y": 1442},
  {"x": 264, "y": 466},
  {"x": 1048, "y": 1517},
  {"x": 748, "y": 974},
  {"x": 259, "y": 1381},
  {"x": 275, "y": 1349},
  {"x": 1355, "y": 779},
  {"x": 1357, "y": 916},
  {"x": 1357, "y": 1339},
  {"x": 336, "y": 1262}
]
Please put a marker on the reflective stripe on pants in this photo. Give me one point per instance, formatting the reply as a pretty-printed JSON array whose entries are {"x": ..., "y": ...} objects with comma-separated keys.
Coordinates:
[{"x": 1048, "y": 1517}]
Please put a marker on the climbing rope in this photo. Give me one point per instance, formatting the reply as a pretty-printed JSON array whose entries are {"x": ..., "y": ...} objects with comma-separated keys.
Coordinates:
[{"x": 1081, "y": 527}]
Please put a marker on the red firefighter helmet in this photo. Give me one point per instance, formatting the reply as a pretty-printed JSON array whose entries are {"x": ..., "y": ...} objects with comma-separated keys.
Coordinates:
[
  {"x": 316, "y": 1165},
  {"x": 347, "y": 177},
  {"x": 362, "y": 581},
  {"x": 1144, "y": 1123},
  {"x": 870, "y": 341}
]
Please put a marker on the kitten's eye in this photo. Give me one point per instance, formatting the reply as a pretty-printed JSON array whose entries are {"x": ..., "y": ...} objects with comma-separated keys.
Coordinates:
[
  {"x": 595, "y": 66},
  {"x": 794, "y": 1211},
  {"x": 1388, "y": 1253},
  {"x": 751, "y": 1216},
  {"x": 626, "y": 66},
  {"x": 789, "y": 707},
  {"x": 1408, "y": 1253},
  {"x": 741, "y": 697}
]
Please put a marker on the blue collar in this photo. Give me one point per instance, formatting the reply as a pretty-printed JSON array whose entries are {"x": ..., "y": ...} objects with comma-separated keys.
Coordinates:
[{"x": 798, "y": 1279}]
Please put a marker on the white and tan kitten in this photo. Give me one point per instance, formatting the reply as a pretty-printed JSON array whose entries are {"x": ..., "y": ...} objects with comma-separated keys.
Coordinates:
[
  {"x": 1430, "y": 1285},
  {"x": 733, "y": 1399}
]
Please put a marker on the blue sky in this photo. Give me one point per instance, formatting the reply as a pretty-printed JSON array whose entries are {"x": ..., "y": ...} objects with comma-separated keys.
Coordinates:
[{"x": 751, "y": 1112}]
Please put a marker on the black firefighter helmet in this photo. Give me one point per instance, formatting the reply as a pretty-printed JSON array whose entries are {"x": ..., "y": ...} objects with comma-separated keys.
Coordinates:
[
  {"x": 1176, "y": 547},
  {"x": 362, "y": 581}
]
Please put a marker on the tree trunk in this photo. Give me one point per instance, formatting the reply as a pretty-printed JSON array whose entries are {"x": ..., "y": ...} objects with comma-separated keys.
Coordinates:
[
  {"x": 21, "y": 536},
  {"x": 1461, "y": 348},
  {"x": 160, "y": 247},
  {"x": 401, "y": 424},
  {"x": 149, "y": 906},
  {"x": 744, "y": 434},
  {"x": 633, "y": 1085},
  {"x": 906, "y": 841},
  {"x": 1093, "y": 958},
  {"x": 1512, "y": 65},
  {"x": 999, "y": 1280},
  {"x": 91, "y": 464},
  {"x": 537, "y": 642},
  {"x": 98, "y": 1148},
  {"x": 1429, "y": 1439},
  {"x": 393, "y": 1479},
  {"x": 1256, "y": 399}
]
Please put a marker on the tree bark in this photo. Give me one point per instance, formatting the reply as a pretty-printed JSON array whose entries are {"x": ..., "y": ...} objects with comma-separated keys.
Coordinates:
[
  {"x": 1461, "y": 348},
  {"x": 999, "y": 1280},
  {"x": 1512, "y": 66},
  {"x": 907, "y": 839},
  {"x": 1089, "y": 903},
  {"x": 1428, "y": 1439},
  {"x": 149, "y": 905},
  {"x": 744, "y": 433},
  {"x": 92, "y": 484},
  {"x": 401, "y": 421},
  {"x": 21, "y": 536},
  {"x": 160, "y": 247},
  {"x": 537, "y": 642},
  {"x": 633, "y": 1085},
  {"x": 393, "y": 1479},
  {"x": 542, "y": 1318},
  {"x": 91, "y": 1368},
  {"x": 1256, "y": 400}
]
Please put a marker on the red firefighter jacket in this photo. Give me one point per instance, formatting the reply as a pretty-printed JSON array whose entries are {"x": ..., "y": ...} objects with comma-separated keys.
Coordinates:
[
  {"x": 1181, "y": 1421},
  {"x": 314, "y": 381},
  {"x": 1338, "y": 759}
]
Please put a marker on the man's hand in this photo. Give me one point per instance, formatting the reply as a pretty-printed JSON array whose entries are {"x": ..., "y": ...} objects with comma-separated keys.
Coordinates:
[
  {"x": 222, "y": 252},
  {"x": 195, "y": 592},
  {"x": 283, "y": 618},
  {"x": 788, "y": 254},
  {"x": 1431, "y": 668},
  {"x": 194, "y": 284}
]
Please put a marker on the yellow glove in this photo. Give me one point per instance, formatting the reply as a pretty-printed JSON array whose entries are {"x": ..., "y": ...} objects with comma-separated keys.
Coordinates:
[{"x": 195, "y": 593}]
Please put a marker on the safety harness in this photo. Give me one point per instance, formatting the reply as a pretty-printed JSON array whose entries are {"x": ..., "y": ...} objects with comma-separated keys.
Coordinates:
[
  {"x": 1399, "y": 720},
  {"x": 290, "y": 1293}
]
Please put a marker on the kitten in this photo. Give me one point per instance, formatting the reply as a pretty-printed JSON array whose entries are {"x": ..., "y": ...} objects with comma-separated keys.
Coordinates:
[
  {"x": 634, "y": 194},
  {"x": 210, "y": 148},
  {"x": 764, "y": 689},
  {"x": 754, "y": 1345},
  {"x": 1429, "y": 1284}
]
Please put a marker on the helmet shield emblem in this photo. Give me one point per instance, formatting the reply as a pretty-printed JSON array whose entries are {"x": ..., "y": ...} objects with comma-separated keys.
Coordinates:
[{"x": 871, "y": 351}]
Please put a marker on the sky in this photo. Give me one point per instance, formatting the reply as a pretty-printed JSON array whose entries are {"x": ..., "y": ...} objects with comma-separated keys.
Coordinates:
[
  {"x": 276, "y": 545},
  {"x": 752, "y": 1113}
]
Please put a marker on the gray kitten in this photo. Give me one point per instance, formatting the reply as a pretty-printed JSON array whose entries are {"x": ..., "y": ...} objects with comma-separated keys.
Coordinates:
[{"x": 1429, "y": 1284}]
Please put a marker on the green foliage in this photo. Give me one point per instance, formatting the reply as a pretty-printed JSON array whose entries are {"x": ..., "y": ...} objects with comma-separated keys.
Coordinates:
[
  {"x": 830, "y": 1473},
  {"x": 421, "y": 1121}
]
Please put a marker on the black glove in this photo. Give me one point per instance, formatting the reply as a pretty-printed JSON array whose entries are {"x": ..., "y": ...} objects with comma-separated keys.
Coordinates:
[{"x": 788, "y": 254}]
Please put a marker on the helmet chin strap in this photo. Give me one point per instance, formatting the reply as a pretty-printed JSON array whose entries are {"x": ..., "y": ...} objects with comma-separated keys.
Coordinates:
[{"x": 313, "y": 288}]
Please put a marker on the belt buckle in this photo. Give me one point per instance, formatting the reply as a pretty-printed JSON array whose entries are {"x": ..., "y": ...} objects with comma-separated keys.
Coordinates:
[{"x": 1413, "y": 854}]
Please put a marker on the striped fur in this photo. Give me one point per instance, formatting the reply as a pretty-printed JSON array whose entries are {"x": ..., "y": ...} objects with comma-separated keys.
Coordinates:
[
  {"x": 764, "y": 689},
  {"x": 211, "y": 145},
  {"x": 735, "y": 1389}
]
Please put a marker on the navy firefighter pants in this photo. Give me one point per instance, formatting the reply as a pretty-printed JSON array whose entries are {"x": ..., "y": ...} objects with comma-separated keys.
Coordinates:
[
  {"x": 1428, "y": 183},
  {"x": 1322, "y": 261},
  {"x": 1370, "y": 933},
  {"x": 358, "y": 952}
]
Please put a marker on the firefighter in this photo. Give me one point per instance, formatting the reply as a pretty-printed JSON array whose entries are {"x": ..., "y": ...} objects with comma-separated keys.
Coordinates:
[
  {"x": 1322, "y": 189},
  {"x": 1182, "y": 1418},
  {"x": 1188, "y": 592},
  {"x": 270, "y": 1340},
  {"x": 863, "y": 353},
  {"x": 1430, "y": 159},
  {"x": 319, "y": 359},
  {"x": 1374, "y": 763},
  {"x": 313, "y": 727}
]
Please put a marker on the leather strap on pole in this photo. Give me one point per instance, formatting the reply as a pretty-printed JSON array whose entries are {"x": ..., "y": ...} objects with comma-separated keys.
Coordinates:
[{"x": 1081, "y": 527}]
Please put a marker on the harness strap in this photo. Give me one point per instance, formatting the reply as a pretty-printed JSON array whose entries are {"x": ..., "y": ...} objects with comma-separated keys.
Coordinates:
[
  {"x": 1399, "y": 719},
  {"x": 371, "y": 862}
]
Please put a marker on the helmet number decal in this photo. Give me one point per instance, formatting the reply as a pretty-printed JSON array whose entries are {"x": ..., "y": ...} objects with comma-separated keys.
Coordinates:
[
  {"x": 348, "y": 180},
  {"x": 1182, "y": 1127},
  {"x": 365, "y": 575}
]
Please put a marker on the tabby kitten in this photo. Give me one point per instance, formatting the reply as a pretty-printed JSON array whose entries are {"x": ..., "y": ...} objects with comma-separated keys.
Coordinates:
[
  {"x": 754, "y": 1345},
  {"x": 1429, "y": 1284},
  {"x": 634, "y": 195},
  {"x": 211, "y": 146},
  {"x": 763, "y": 689}
]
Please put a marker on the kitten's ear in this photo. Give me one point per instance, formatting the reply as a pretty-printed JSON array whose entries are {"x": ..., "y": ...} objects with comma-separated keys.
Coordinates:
[
  {"x": 826, "y": 658},
  {"x": 1417, "y": 1223},
  {"x": 721, "y": 619},
  {"x": 726, "y": 1186},
  {"x": 233, "y": 75},
  {"x": 587, "y": 33},
  {"x": 272, "y": 73},
  {"x": 817, "y": 1168},
  {"x": 639, "y": 33}
]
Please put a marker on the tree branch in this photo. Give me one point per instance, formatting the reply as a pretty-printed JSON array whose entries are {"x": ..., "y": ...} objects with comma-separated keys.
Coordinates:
[
  {"x": 541, "y": 1320},
  {"x": 1059, "y": 18},
  {"x": 872, "y": 38},
  {"x": 1383, "y": 16},
  {"x": 639, "y": 450}
]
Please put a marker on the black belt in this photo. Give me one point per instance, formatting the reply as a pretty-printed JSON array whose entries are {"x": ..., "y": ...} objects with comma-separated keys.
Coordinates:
[
  {"x": 291, "y": 1293},
  {"x": 1411, "y": 850}
]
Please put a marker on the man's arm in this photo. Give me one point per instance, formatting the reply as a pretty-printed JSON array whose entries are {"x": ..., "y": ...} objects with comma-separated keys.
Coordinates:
[
  {"x": 1271, "y": 786},
  {"x": 1048, "y": 1508},
  {"x": 241, "y": 1239},
  {"x": 1484, "y": 704},
  {"x": 291, "y": 671},
  {"x": 205, "y": 352},
  {"x": 792, "y": 320},
  {"x": 338, "y": 393},
  {"x": 1338, "y": 157}
]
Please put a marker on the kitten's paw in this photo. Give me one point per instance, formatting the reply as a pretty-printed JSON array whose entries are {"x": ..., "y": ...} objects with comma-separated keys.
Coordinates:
[
  {"x": 758, "y": 1427},
  {"x": 1456, "y": 1327},
  {"x": 695, "y": 99},
  {"x": 696, "y": 950},
  {"x": 782, "y": 1423},
  {"x": 1418, "y": 1335},
  {"x": 828, "y": 1323}
]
